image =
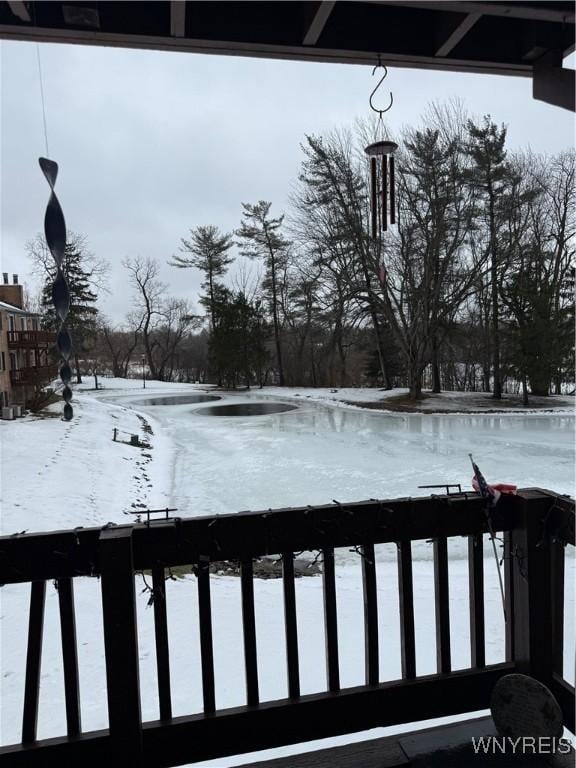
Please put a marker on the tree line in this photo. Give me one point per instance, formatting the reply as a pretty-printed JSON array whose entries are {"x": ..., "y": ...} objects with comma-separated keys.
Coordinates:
[{"x": 472, "y": 290}]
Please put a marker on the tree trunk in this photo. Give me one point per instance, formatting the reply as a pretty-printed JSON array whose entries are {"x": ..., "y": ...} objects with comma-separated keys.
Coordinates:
[
  {"x": 540, "y": 383},
  {"x": 525, "y": 402},
  {"x": 558, "y": 385},
  {"x": 415, "y": 370},
  {"x": 436, "y": 388},
  {"x": 497, "y": 390},
  {"x": 275, "y": 319},
  {"x": 78, "y": 374},
  {"x": 416, "y": 387}
]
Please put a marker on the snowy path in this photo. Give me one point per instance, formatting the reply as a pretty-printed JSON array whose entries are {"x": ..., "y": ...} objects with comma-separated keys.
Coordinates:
[{"x": 58, "y": 474}]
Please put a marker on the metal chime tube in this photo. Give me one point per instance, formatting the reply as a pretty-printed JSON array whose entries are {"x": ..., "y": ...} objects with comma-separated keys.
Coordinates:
[
  {"x": 374, "y": 196},
  {"x": 384, "y": 193},
  {"x": 392, "y": 193}
]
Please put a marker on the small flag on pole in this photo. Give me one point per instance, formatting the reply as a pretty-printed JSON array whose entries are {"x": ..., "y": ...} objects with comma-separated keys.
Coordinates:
[
  {"x": 479, "y": 484},
  {"x": 492, "y": 492}
]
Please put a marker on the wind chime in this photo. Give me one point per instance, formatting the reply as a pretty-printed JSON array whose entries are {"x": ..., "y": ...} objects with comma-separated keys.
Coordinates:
[
  {"x": 55, "y": 233},
  {"x": 382, "y": 171}
]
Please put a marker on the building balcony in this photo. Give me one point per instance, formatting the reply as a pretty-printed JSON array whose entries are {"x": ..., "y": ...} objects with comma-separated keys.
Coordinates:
[
  {"x": 32, "y": 375},
  {"x": 30, "y": 339}
]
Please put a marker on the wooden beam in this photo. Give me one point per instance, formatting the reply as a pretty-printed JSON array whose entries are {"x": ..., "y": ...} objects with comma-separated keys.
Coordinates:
[
  {"x": 555, "y": 86},
  {"x": 458, "y": 34},
  {"x": 318, "y": 22},
  {"x": 514, "y": 10},
  {"x": 178, "y": 18},
  {"x": 19, "y": 9},
  {"x": 71, "y": 36}
]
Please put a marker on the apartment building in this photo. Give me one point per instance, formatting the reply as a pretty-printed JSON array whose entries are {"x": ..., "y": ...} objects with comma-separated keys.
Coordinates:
[{"x": 25, "y": 349}]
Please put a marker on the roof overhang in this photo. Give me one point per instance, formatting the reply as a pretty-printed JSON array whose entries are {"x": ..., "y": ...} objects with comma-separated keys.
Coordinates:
[{"x": 514, "y": 38}]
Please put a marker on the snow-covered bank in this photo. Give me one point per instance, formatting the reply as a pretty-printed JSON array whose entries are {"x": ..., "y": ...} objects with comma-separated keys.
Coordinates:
[
  {"x": 442, "y": 403},
  {"x": 58, "y": 474}
]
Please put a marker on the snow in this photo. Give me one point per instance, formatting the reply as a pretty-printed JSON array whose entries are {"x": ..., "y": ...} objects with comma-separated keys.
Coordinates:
[{"x": 61, "y": 475}]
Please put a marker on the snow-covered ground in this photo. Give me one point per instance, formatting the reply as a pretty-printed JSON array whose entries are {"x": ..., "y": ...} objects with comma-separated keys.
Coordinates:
[{"x": 61, "y": 475}]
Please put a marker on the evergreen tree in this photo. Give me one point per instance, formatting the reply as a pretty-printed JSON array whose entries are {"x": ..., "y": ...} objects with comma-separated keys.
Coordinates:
[
  {"x": 206, "y": 250},
  {"x": 489, "y": 176},
  {"x": 261, "y": 238},
  {"x": 82, "y": 316},
  {"x": 237, "y": 345}
]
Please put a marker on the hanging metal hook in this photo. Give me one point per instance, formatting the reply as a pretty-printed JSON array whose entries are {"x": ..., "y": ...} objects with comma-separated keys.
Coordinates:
[{"x": 384, "y": 76}]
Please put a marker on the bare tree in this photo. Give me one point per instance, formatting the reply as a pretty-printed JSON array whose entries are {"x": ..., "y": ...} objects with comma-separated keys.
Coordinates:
[
  {"x": 119, "y": 344},
  {"x": 148, "y": 302}
]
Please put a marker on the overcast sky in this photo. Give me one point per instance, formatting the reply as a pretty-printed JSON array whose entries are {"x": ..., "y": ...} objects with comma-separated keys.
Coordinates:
[{"x": 150, "y": 144}]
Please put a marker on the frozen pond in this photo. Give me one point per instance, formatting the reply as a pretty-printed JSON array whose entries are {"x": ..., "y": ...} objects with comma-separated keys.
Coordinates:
[
  {"x": 179, "y": 400},
  {"x": 318, "y": 453},
  {"x": 246, "y": 409}
]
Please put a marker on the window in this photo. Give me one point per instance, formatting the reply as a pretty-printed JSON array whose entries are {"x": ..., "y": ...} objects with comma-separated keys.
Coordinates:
[{"x": 2, "y": 361}]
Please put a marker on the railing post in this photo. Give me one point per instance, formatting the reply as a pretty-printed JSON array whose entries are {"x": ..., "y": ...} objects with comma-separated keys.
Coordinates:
[
  {"x": 121, "y": 644},
  {"x": 531, "y": 588}
]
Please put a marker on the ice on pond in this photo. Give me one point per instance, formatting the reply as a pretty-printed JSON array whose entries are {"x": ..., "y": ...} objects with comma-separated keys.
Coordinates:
[
  {"x": 318, "y": 453},
  {"x": 179, "y": 400},
  {"x": 246, "y": 409}
]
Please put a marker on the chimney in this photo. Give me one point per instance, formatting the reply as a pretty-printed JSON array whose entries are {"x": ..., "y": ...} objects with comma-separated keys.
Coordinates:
[{"x": 12, "y": 294}]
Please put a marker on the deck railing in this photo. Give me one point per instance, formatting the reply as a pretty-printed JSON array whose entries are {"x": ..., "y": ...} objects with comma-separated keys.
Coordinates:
[
  {"x": 33, "y": 374},
  {"x": 536, "y": 526},
  {"x": 22, "y": 339}
]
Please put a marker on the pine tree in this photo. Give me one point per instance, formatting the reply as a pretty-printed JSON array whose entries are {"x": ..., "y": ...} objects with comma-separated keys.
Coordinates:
[
  {"x": 237, "y": 345},
  {"x": 81, "y": 320},
  {"x": 489, "y": 176},
  {"x": 206, "y": 250},
  {"x": 261, "y": 238}
]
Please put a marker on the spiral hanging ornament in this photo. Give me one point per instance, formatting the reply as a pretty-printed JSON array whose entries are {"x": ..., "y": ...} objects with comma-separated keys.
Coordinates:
[{"x": 55, "y": 233}]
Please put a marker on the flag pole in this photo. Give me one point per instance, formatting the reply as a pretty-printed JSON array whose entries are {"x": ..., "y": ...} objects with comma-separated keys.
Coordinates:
[{"x": 490, "y": 502}]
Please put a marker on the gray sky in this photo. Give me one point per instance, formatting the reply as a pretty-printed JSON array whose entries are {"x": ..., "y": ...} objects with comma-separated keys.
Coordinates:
[{"x": 150, "y": 144}]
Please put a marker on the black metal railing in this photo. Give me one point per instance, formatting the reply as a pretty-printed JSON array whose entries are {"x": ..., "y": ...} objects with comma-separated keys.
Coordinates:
[{"x": 536, "y": 526}]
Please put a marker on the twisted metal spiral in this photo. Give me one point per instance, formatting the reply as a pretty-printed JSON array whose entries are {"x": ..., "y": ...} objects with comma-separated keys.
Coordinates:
[{"x": 55, "y": 233}]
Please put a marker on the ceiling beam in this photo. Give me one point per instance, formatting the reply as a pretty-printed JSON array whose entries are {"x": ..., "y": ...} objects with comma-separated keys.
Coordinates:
[
  {"x": 514, "y": 10},
  {"x": 555, "y": 86},
  {"x": 178, "y": 18},
  {"x": 458, "y": 34},
  {"x": 258, "y": 50},
  {"x": 19, "y": 9},
  {"x": 552, "y": 83},
  {"x": 318, "y": 22}
]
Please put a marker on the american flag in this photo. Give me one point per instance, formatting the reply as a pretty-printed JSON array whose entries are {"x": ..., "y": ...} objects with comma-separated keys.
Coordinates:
[{"x": 479, "y": 484}]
